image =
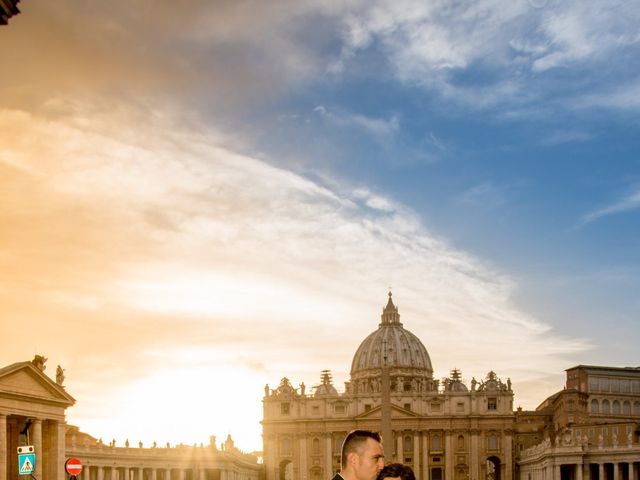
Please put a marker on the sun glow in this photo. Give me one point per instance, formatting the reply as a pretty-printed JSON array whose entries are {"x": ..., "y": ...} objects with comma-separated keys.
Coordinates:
[{"x": 185, "y": 405}]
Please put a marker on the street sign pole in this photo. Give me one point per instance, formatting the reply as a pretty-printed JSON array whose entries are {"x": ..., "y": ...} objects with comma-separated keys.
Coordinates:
[{"x": 26, "y": 460}]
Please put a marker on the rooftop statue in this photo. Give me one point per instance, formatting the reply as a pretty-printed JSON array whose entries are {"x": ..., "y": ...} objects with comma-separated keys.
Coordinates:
[{"x": 39, "y": 361}]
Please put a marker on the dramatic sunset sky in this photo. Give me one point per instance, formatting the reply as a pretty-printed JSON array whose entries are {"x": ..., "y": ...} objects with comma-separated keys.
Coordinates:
[{"x": 201, "y": 197}]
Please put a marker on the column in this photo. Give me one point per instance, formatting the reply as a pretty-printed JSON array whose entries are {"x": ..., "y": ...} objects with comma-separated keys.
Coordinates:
[
  {"x": 601, "y": 471},
  {"x": 140, "y": 474},
  {"x": 425, "y": 456},
  {"x": 328, "y": 468},
  {"x": 616, "y": 471},
  {"x": 125, "y": 473},
  {"x": 36, "y": 429},
  {"x": 508, "y": 454},
  {"x": 399, "y": 447},
  {"x": 100, "y": 473},
  {"x": 154, "y": 474},
  {"x": 302, "y": 464},
  {"x": 86, "y": 473},
  {"x": 60, "y": 449},
  {"x": 579, "y": 471},
  {"x": 474, "y": 461},
  {"x": 182, "y": 475},
  {"x": 3, "y": 446},
  {"x": 416, "y": 454},
  {"x": 167, "y": 474},
  {"x": 448, "y": 457}
]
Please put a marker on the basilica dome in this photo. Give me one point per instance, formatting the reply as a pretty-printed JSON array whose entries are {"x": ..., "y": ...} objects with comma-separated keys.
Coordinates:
[{"x": 405, "y": 354}]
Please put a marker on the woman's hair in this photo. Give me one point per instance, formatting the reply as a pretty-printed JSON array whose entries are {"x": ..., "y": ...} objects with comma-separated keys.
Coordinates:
[{"x": 396, "y": 470}]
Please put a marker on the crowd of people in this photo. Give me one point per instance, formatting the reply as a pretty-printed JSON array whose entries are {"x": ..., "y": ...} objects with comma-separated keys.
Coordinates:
[{"x": 363, "y": 459}]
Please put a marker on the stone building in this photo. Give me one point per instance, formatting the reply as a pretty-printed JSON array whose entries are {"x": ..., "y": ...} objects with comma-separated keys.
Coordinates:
[
  {"x": 443, "y": 430},
  {"x": 587, "y": 431},
  {"x": 32, "y": 412}
]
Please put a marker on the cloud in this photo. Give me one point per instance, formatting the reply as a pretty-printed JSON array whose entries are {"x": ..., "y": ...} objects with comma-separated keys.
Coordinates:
[
  {"x": 378, "y": 128},
  {"x": 485, "y": 195},
  {"x": 167, "y": 238},
  {"x": 629, "y": 203},
  {"x": 232, "y": 56},
  {"x": 507, "y": 47}
]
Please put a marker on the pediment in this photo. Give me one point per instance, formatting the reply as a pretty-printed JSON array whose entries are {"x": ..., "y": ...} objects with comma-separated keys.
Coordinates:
[
  {"x": 27, "y": 382},
  {"x": 396, "y": 413}
]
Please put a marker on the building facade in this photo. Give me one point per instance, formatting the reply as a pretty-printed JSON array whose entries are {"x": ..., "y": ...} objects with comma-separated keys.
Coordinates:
[
  {"x": 32, "y": 412},
  {"x": 590, "y": 429},
  {"x": 443, "y": 431},
  {"x": 452, "y": 431}
]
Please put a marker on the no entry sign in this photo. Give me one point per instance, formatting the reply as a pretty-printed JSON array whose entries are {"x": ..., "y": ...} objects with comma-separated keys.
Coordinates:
[{"x": 73, "y": 466}]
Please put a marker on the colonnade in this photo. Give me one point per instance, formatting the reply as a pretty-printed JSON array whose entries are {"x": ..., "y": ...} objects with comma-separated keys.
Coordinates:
[
  {"x": 47, "y": 437},
  {"x": 110, "y": 472},
  {"x": 609, "y": 470}
]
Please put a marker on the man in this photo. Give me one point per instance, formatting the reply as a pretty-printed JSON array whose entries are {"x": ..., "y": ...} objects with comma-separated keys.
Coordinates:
[
  {"x": 362, "y": 456},
  {"x": 396, "y": 471}
]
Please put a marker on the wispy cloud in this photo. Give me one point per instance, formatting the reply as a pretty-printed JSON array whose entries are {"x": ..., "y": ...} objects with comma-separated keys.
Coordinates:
[
  {"x": 379, "y": 128},
  {"x": 432, "y": 44},
  {"x": 168, "y": 239},
  {"x": 629, "y": 203},
  {"x": 485, "y": 195}
]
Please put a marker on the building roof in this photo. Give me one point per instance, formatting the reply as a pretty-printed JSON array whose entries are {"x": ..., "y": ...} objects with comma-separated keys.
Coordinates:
[{"x": 603, "y": 369}]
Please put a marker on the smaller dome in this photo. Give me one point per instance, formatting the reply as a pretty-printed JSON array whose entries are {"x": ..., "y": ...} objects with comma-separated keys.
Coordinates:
[{"x": 326, "y": 386}]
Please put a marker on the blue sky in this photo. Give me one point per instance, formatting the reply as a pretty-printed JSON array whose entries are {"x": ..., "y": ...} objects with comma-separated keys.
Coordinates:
[{"x": 227, "y": 190}]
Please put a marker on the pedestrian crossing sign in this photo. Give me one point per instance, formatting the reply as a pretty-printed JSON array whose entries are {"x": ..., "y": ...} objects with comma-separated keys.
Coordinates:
[{"x": 26, "y": 463}]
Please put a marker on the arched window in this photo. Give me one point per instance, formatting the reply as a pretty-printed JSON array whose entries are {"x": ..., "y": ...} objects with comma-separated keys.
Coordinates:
[
  {"x": 636, "y": 408},
  {"x": 605, "y": 406},
  {"x": 492, "y": 442},
  {"x": 408, "y": 443},
  {"x": 315, "y": 446},
  {"x": 436, "y": 443},
  {"x": 626, "y": 408},
  {"x": 615, "y": 407},
  {"x": 595, "y": 407}
]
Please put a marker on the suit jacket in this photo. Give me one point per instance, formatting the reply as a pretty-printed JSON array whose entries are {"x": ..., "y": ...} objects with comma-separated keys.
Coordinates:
[{"x": 337, "y": 477}]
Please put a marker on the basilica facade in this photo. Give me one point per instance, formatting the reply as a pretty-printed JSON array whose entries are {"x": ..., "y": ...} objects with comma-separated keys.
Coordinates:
[
  {"x": 443, "y": 430},
  {"x": 448, "y": 430}
]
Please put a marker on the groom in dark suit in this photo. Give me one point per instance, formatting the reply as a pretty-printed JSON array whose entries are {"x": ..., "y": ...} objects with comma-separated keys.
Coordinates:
[{"x": 362, "y": 456}]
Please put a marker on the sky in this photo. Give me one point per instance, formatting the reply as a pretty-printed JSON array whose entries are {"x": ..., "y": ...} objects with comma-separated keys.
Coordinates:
[{"x": 199, "y": 199}]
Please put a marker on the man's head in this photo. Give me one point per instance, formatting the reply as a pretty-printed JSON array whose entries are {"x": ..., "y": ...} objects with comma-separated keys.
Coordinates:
[
  {"x": 362, "y": 455},
  {"x": 396, "y": 471}
]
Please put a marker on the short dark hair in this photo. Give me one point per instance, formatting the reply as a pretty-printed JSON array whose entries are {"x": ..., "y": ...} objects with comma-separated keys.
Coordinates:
[
  {"x": 353, "y": 440},
  {"x": 396, "y": 470}
]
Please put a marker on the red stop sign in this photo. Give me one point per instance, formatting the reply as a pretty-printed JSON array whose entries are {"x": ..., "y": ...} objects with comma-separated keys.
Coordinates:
[{"x": 73, "y": 466}]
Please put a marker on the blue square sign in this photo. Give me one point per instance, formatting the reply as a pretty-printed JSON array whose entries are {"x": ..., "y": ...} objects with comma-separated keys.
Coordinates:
[{"x": 26, "y": 463}]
